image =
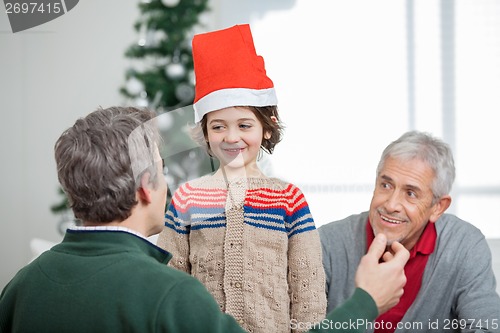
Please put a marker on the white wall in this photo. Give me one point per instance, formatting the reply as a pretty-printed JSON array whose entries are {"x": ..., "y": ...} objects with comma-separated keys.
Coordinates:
[{"x": 49, "y": 76}]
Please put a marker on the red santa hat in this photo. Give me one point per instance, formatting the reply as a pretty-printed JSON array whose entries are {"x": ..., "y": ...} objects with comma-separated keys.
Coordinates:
[{"x": 229, "y": 72}]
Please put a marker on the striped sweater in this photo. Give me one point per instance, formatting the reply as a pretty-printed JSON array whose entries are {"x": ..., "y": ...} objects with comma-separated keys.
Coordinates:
[{"x": 253, "y": 244}]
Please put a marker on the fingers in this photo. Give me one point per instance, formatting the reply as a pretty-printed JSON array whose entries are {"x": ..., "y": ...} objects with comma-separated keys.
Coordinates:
[
  {"x": 387, "y": 256},
  {"x": 384, "y": 281},
  {"x": 378, "y": 246},
  {"x": 401, "y": 254}
]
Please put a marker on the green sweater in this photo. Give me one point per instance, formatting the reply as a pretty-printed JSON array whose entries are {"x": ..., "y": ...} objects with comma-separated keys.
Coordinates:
[{"x": 114, "y": 281}]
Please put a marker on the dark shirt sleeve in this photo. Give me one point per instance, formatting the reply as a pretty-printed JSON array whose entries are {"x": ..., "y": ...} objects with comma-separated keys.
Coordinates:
[
  {"x": 352, "y": 316},
  {"x": 189, "y": 307}
]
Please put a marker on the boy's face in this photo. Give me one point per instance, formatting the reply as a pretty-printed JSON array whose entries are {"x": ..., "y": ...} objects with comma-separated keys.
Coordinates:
[{"x": 235, "y": 136}]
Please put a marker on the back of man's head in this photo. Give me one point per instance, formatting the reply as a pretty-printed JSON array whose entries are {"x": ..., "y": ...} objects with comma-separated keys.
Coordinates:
[{"x": 95, "y": 163}]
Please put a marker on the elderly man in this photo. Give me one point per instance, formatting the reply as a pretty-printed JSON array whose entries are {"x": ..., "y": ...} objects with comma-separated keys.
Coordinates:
[
  {"x": 107, "y": 277},
  {"x": 450, "y": 286}
]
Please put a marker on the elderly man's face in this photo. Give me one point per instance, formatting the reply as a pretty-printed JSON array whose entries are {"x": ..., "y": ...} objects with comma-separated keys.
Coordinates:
[{"x": 401, "y": 204}]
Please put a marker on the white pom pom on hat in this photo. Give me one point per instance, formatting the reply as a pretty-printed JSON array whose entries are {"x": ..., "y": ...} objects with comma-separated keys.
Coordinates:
[{"x": 229, "y": 72}]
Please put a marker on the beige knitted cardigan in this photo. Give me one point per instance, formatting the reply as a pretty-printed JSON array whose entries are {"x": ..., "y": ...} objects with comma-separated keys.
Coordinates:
[{"x": 253, "y": 244}]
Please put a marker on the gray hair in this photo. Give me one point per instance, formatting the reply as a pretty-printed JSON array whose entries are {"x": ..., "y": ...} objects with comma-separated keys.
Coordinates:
[
  {"x": 101, "y": 158},
  {"x": 424, "y": 147}
]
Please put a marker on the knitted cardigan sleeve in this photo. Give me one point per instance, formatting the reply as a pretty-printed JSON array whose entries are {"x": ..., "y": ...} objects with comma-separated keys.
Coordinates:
[
  {"x": 175, "y": 235},
  {"x": 306, "y": 276}
]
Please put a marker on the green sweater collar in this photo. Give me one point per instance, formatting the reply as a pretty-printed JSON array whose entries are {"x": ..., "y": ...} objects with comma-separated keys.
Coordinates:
[{"x": 98, "y": 242}]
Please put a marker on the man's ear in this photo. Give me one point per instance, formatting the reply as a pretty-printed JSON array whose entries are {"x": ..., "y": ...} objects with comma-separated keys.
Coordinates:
[
  {"x": 144, "y": 190},
  {"x": 440, "y": 207}
]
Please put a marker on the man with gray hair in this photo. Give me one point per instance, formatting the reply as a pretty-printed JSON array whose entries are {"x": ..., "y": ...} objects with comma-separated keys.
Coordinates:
[{"x": 451, "y": 285}]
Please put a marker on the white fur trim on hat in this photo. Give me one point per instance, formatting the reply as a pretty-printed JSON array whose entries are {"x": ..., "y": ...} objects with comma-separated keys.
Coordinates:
[{"x": 224, "y": 98}]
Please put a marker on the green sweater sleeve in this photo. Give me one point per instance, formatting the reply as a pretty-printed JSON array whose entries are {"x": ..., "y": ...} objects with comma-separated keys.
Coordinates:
[
  {"x": 189, "y": 307},
  {"x": 351, "y": 316}
]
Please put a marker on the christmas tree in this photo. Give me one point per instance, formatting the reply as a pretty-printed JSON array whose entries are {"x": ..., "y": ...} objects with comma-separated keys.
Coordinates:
[{"x": 163, "y": 75}]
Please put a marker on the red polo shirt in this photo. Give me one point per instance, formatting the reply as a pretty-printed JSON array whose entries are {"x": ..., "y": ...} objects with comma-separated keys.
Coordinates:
[{"x": 414, "y": 270}]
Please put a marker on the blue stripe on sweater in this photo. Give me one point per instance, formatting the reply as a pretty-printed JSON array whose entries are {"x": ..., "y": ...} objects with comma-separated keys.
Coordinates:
[
  {"x": 179, "y": 231},
  {"x": 298, "y": 214},
  {"x": 298, "y": 224},
  {"x": 206, "y": 210},
  {"x": 299, "y": 231},
  {"x": 271, "y": 210},
  {"x": 266, "y": 226},
  {"x": 215, "y": 218},
  {"x": 207, "y": 226}
]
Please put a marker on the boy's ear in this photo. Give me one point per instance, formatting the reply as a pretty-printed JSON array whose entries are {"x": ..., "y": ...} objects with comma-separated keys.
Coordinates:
[{"x": 144, "y": 190}]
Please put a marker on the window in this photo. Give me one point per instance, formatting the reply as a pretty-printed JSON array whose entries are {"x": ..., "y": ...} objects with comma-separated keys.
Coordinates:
[{"x": 352, "y": 76}]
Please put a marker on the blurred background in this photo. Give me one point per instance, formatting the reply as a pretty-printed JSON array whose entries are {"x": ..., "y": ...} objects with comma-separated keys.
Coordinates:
[{"x": 351, "y": 76}]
